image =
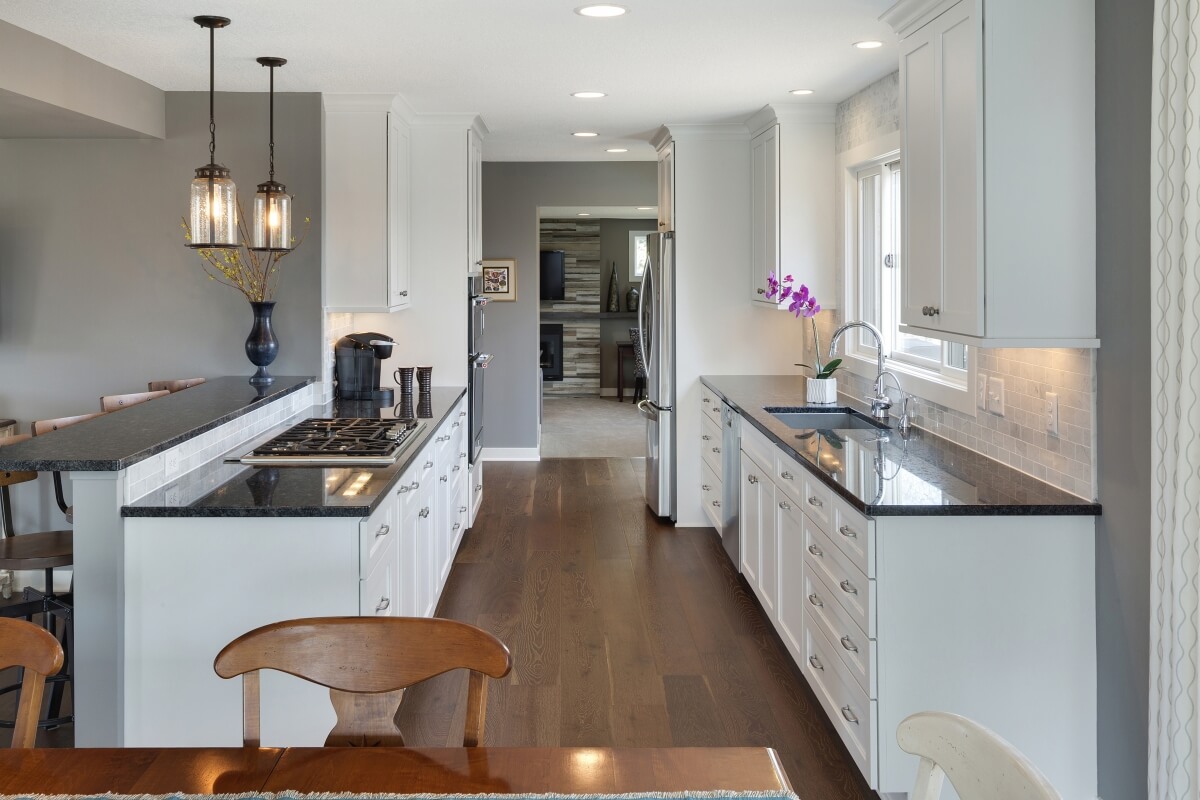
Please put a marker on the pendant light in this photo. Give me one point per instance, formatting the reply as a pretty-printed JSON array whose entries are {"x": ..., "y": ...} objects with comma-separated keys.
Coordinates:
[
  {"x": 271, "y": 226},
  {"x": 214, "y": 195}
]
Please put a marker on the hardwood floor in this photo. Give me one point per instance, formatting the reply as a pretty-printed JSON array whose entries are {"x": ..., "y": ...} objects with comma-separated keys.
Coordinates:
[{"x": 624, "y": 631}]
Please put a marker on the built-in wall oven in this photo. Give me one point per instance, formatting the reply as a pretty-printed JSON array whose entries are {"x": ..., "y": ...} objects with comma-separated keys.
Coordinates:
[{"x": 477, "y": 362}]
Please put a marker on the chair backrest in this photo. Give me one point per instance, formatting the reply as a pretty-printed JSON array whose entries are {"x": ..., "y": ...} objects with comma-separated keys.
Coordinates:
[
  {"x": 42, "y": 426},
  {"x": 23, "y": 644},
  {"x": 173, "y": 386},
  {"x": 980, "y": 765},
  {"x": 387, "y": 654},
  {"x": 115, "y": 402}
]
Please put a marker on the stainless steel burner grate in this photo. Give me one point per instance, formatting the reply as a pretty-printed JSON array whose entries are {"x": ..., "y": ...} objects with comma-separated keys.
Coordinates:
[{"x": 316, "y": 442}]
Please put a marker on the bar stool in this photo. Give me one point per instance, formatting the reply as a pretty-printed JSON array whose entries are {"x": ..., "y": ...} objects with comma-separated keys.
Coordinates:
[{"x": 47, "y": 551}]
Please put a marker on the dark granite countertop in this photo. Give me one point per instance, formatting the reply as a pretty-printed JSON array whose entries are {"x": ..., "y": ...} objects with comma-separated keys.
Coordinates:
[
  {"x": 220, "y": 489},
  {"x": 885, "y": 474},
  {"x": 123, "y": 438}
]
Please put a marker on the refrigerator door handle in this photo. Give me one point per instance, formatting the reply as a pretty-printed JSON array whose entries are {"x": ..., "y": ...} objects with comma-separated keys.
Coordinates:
[
  {"x": 647, "y": 409},
  {"x": 643, "y": 308}
]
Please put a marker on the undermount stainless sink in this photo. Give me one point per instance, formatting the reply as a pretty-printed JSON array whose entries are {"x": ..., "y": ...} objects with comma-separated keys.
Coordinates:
[{"x": 832, "y": 420}]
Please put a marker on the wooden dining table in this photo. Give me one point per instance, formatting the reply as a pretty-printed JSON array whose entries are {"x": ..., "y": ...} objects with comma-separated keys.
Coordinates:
[{"x": 391, "y": 770}]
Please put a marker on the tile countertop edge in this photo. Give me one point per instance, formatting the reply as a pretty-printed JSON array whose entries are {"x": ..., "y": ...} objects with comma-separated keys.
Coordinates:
[
  {"x": 1081, "y": 508},
  {"x": 406, "y": 460},
  {"x": 123, "y": 462}
]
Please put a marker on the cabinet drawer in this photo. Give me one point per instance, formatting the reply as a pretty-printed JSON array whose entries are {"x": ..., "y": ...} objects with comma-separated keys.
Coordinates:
[
  {"x": 710, "y": 443},
  {"x": 854, "y": 715},
  {"x": 377, "y": 594},
  {"x": 853, "y": 647},
  {"x": 710, "y": 404},
  {"x": 849, "y": 587},
  {"x": 789, "y": 477},
  {"x": 760, "y": 449},
  {"x": 376, "y": 534},
  {"x": 854, "y": 535},
  {"x": 710, "y": 495}
]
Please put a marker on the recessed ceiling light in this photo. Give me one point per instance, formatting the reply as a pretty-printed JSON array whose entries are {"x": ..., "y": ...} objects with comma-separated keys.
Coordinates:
[
  {"x": 870, "y": 44},
  {"x": 588, "y": 95},
  {"x": 602, "y": 10},
  {"x": 583, "y": 214},
  {"x": 584, "y": 133},
  {"x": 617, "y": 150},
  {"x": 801, "y": 91},
  {"x": 645, "y": 208}
]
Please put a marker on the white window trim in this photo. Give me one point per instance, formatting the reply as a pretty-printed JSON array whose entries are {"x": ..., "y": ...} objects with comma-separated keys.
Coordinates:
[{"x": 914, "y": 380}]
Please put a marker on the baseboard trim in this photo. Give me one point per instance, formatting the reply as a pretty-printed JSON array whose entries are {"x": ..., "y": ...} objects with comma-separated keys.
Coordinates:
[{"x": 510, "y": 454}]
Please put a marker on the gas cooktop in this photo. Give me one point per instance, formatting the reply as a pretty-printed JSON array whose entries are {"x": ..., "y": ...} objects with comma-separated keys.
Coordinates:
[{"x": 323, "y": 442}]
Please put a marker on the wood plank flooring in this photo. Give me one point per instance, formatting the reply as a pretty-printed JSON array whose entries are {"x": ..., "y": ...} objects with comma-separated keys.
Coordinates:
[{"x": 624, "y": 631}]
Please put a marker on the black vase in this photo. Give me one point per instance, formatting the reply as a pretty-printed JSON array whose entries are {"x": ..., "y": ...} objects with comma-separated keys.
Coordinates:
[{"x": 261, "y": 344}]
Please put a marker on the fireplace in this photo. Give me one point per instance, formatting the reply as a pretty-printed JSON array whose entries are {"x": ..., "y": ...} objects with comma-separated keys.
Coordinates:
[{"x": 551, "y": 359}]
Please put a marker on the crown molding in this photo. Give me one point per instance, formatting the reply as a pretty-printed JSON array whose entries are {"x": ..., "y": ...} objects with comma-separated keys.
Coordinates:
[
  {"x": 358, "y": 102},
  {"x": 908, "y": 16}
]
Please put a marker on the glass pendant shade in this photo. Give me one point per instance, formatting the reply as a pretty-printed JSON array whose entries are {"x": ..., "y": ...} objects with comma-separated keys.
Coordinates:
[
  {"x": 213, "y": 208},
  {"x": 271, "y": 224}
]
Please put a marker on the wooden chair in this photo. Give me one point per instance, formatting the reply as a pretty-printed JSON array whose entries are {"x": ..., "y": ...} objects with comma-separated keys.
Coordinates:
[
  {"x": 44, "y": 426},
  {"x": 25, "y": 645},
  {"x": 389, "y": 654},
  {"x": 174, "y": 386},
  {"x": 47, "y": 551},
  {"x": 115, "y": 402},
  {"x": 980, "y": 765}
]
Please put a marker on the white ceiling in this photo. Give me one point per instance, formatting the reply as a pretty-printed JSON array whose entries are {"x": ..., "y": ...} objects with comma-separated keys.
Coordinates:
[
  {"x": 597, "y": 212},
  {"x": 514, "y": 62}
]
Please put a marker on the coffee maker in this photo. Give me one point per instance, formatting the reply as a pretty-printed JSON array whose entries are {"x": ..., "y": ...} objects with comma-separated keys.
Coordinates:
[{"x": 356, "y": 367}]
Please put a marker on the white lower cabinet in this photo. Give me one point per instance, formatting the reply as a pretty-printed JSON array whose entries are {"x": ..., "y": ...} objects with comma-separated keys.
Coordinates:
[{"x": 991, "y": 617}]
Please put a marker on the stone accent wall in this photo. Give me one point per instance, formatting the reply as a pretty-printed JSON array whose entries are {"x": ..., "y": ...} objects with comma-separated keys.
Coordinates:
[
  {"x": 581, "y": 360},
  {"x": 871, "y": 113},
  {"x": 582, "y": 294}
]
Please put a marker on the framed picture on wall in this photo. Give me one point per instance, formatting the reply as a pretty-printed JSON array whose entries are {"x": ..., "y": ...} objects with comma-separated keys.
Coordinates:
[
  {"x": 638, "y": 255},
  {"x": 500, "y": 279}
]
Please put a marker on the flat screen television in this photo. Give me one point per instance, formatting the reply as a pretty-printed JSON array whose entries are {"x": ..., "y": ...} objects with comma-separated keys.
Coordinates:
[{"x": 554, "y": 274}]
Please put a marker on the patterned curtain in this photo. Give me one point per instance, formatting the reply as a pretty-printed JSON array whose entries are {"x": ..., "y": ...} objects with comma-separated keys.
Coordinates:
[{"x": 1175, "y": 447}]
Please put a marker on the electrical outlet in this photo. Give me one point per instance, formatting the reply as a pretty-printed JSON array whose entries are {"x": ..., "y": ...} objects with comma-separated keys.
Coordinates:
[
  {"x": 996, "y": 395},
  {"x": 1052, "y": 413},
  {"x": 172, "y": 496},
  {"x": 981, "y": 391},
  {"x": 171, "y": 463}
]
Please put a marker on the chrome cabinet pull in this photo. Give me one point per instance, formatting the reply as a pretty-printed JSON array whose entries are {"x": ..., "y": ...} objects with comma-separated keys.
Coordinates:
[
  {"x": 424, "y": 512},
  {"x": 703, "y": 436},
  {"x": 760, "y": 291},
  {"x": 479, "y": 488},
  {"x": 816, "y": 601},
  {"x": 456, "y": 526},
  {"x": 383, "y": 531},
  {"x": 848, "y": 587},
  {"x": 384, "y": 602},
  {"x": 462, "y": 413},
  {"x": 444, "y": 478},
  {"x": 456, "y": 468},
  {"x": 716, "y": 503},
  {"x": 702, "y": 399},
  {"x": 848, "y": 643},
  {"x": 848, "y": 713},
  {"x": 410, "y": 488},
  {"x": 415, "y": 485},
  {"x": 459, "y": 424},
  {"x": 848, "y": 532},
  {"x": 716, "y": 450},
  {"x": 751, "y": 479},
  {"x": 704, "y": 487},
  {"x": 815, "y": 502},
  {"x": 404, "y": 293},
  {"x": 816, "y": 551},
  {"x": 816, "y": 663},
  {"x": 428, "y": 465},
  {"x": 785, "y": 505},
  {"x": 785, "y": 474}
]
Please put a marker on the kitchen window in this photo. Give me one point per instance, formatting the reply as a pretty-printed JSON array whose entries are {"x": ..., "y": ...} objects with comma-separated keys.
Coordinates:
[{"x": 930, "y": 368}]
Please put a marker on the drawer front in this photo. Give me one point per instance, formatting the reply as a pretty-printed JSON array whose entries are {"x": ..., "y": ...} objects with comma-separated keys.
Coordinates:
[
  {"x": 377, "y": 594},
  {"x": 756, "y": 445},
  {"x": 710, "y": 404},
  {"x": 710, "y": 443},
  {"x": 854, "y": 535},
  {"x": 853, "y": 714},
  {"x": 850, "y": 588},
  {"x": 853, "y": 647},
  {"x": 817, "y": 501},
  {"x": 789, "y": 478},
  {"x": 710, "y": 495},
  {"x": 376, "y": 534}
]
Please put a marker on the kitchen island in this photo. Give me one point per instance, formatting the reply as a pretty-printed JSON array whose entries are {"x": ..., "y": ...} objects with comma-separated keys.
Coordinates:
[
  {"x": 175, "y": 546},
  {"x": 905, "y": 573}
]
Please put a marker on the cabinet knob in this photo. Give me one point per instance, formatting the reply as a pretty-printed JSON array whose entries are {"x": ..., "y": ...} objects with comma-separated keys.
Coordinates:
[
  {"x": 462, "y": 509},
  {"x": 428, "y": 465},
  {"x": 703, "y": 436},
  {"x": 704, "y": 487},
  {"x": 424, "y": 512},
  {"x": 751, "y": 479},
  {"x": 761, "y": 290},
  {"x": 716, "y": 450},
  {"x": 457, "y": 467},
  {"x": 786, "y": 506},
  {"x": 930, "y": 311},
  {"x": 444, "y": 478},
  {"x": 479, "y": 263},
  {"x": 404, "y": 293},
  {"x": 455, "y": 425},
  {"x": 716, "y": 503},
  {"x": 462, "y": 455},
  {"x": 816, "y": 663},
  {"x": 462, "y": 413},
  {"x": 848, "y": 532}
]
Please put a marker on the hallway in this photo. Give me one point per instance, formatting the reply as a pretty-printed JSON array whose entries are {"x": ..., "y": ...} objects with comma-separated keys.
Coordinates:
[
  {"x": 592, "y": 427},
  {"x": 624, "y": 631}
]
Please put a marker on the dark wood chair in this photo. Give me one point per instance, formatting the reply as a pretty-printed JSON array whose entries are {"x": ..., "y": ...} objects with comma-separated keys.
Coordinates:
[
  {"x": 174, "y": 386},
  {"x": 25, "y": 645},
  {"x": 389, "y": 654},
  {"x": 115, "y": 402}
]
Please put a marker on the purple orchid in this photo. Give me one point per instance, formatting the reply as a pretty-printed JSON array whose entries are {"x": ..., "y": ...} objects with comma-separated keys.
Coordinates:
[{"x": 803, "y": 304}]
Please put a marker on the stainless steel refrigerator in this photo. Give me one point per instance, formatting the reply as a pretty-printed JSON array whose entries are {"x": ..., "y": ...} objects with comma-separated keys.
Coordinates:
[{"x": 656, "y": 329}]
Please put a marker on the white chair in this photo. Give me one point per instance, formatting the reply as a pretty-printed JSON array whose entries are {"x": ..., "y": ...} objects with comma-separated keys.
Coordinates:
[{"x": 980, "y": 765}]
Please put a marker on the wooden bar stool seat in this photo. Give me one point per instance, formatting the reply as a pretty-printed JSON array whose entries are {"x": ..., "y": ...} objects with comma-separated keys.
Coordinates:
[
  {"x": 174, "y": 385},
  {"x": 115, "y": 402}
]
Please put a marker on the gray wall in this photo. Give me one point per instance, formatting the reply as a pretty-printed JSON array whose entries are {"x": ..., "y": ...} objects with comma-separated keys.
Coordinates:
[
  {"x": 512, "y": 193},
  {"x": 1123, "y": 87},
  {"x": 98, "y": 294}
]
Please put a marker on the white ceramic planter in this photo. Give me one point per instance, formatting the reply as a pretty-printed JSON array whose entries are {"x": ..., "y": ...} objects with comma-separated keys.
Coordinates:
[{"x": 823, "y": 390}]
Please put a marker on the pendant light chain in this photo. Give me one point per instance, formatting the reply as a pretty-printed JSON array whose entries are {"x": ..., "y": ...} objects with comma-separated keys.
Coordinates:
[
  {"x": 272, "y": 124},
  {"x": 212, "y": 84}
]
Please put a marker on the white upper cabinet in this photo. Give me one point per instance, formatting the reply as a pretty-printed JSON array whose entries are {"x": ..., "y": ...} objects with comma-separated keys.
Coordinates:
[
  {"x": 997, "y": 110},
  {"x": 474, "y": 201},
  {"x": 666, "y": 181},
  {"x": 366, "y": 228},
  {"x": 792, "y": 183}
]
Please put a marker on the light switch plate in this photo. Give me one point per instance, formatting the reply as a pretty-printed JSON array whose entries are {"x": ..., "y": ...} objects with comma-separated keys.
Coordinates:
[
  {"x": 981, "y": 391},
  {"x": 996, "y": 395},
  {"x": 1052, "y": 413}
]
